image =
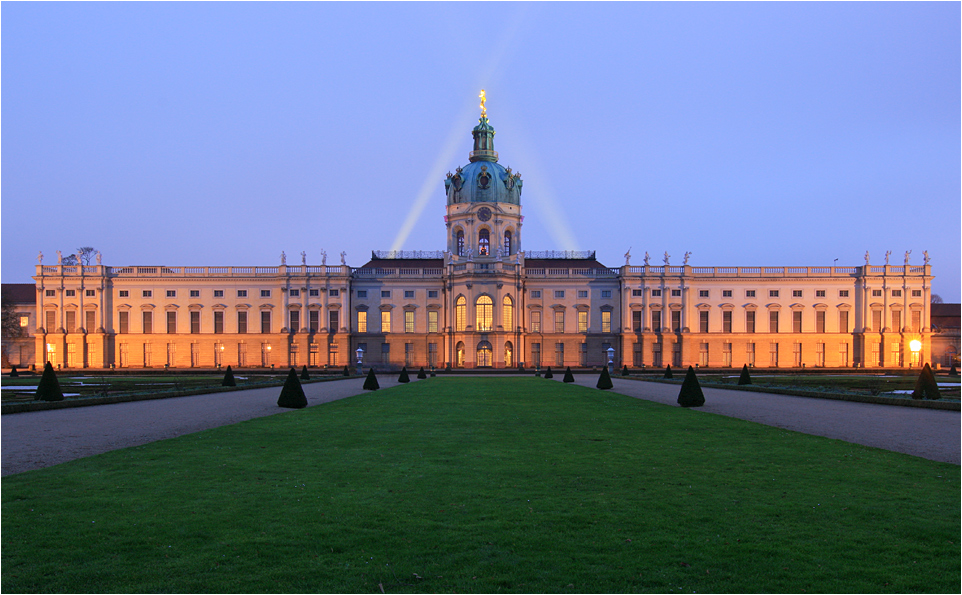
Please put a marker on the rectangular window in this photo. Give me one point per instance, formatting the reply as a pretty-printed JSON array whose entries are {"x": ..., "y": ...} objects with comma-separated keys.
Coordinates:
[
  {"x": 291, "y": 292},
  {"x": 194, "y": 293},
  {"x": 433, "y": 354},
  {"x": 333, "y": 321},
  {"x": 797, "y": 353},
  {"x": 559, "y": 321},
  {"x": 877, "y": 320},
  {"x": 750, "y": 293},
  {"x": 637, "y": 293},
  {"x": 917, "y": 293},
  {"x": 773, "y": 321},
  {"x": 676, "y": 321},
  {"x": 71, "y": 321},
  {"x": 218, "y": 293},
  {"x": 334, "y": 292},
  {"x": 675, "y": 293},
  {"x": 876, "y": 354},
  {"x": 71, "y": 293},
  {"x": 702, "y": 293},
  {"x": 559, "y": 294},
  {"x": 147, "y": 293},
  {"x": 819, "y": 293},
  {"x": 385, "y": 294},
  {"x": 313, "y": 293},
  {"x": 362, "y": 293},
  {"x": 656, "y": 321},
  {"x": 123, "y": 323},
  {"x": 876, "y": 293},
  {"x": 842, "y": 293},
  {"x": 843, "y": 321},
  {"x": 582, "y": 322},
  {"x": 171, "y": 323},
  {"x": 536, "y": 322},
  {"x": 314, "y": 320},
  {"x": 385, "y": 353},
  {"x": 606, "y": 293},
  {"x": 796, "y": 321},
  {"x": 916, "y": 321},
  {"x": 726, "y": 293},
  {"x": 409, "y": 294},
  {"x": 171, "y": 293},
  {"x": 727, "y": 355},
  {"x": 655, "y": 293},
  {"x": 773, "y": 354},
  {"x": 820, "y": 355},
  {"x": 656, "y": 355},
  {"x": 703, "y": 354},
  {"x": 703, "y": 321},
  {"x": 409, "y": 321},
  {"x": 750, "y": 321},
  {"x": 90, "y": 293},
  {"x": 584, "y": 354},
  {"x": 843, "y": 355},
  {"x": 219, "y": 322},
  {"x": 797, "y": 293},
  {"x": 294, "y": 320},
  {"x": 896, "y": 320},
  {"x": 559, "y": 354},
  {"x": 242, "y": 293},
  {"x": 386, "y": 321},
  {"x": 25, "y": 322},
  {"x": 265, "y": 322},
  {"x": 242, "y": 322},
  {"x": 582, "y": 293},
  {"x": 432, "y": 321},
  {"x": 727, "y": 321},
  {"x": 606, "y": 321},
  {"x": 148, "y": 318},
  {"x": 433, "y": 293},
  {"x": 536, "y": 354},
  {"x": 636, "y": 320},
  {"x": 195, "y": 322},
  {"x": 820, "y": 321},
  {"x": 53, "y": 293},
  {"x": 536, "y": 293},
  {"x": 896, "y": 293},
  {"x": 362, "y": 321},
  {"x": 772, "y": 293},
  {"x": 265, "y": 293},
  {"x": 409, "y": 354},
  {"x": 750, "y": 354},
  {"x": 896, "y": 354}
]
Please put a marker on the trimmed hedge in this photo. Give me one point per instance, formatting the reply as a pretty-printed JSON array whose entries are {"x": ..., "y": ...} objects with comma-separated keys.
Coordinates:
[
  {"x": 292, "y": 395},
  {"x": 604, "y": 381},
  {"x": 668, "y": 372},
  {"x": 691, "y": 394},
  {"x": 403, "y": 377},
  {"x": 49, "y": 387},
  {"x": 228, "y": 378},
  {"x": 569, "y": 377},
  {"x": 926, "y": 386},
  {"x": 744, "y": 378},
  {"x": 370, "y": 383}
]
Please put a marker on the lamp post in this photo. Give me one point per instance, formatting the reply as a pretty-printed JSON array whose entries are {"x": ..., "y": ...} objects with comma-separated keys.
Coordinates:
[
  {"x": 915, "y": 346},
  {"x": 611, "y": 360},
  {"x": 360, "y": 355}
]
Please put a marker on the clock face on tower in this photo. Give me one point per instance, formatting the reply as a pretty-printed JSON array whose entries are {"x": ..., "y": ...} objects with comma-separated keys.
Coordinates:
[{"x": 484, "y": 213}]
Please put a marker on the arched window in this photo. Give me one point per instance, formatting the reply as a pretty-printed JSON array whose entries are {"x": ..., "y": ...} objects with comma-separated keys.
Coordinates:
[
  {"x": 460, "y": 313},
  {"x": 507, "y": 243},
  {"x": 507, "y": 314},
  {"x": 459, "y": 355},
  {"x": 459, "y": 243},
  {"x": 508, "y": 353},
  {"x": 484, "y": 243},
  {"x": 485, "y": 355},
  {"x": 484, "y": 308}
]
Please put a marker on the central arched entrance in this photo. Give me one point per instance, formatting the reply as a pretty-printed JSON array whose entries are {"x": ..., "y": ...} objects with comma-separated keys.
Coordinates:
[{"x": 485, "y": 356}]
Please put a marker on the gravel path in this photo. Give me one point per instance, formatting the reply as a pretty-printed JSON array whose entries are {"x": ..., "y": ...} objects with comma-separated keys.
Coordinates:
[{"x": 43, "y": 438}]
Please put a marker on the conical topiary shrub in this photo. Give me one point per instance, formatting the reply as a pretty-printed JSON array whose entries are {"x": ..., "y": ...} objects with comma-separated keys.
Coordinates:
[
  {"x": 925, "y": 387},
  {"x": 304, "y": 374},
  {"x": 668, "y": 371},
  {"x": 624, "y": 371},
  {"x": 228, "y": 378},
  {"x": 292, "y": 395},
  {"x": 49, "y": 387},
  {"x": 548, "y": 374},
  {"x": 953, "y": 371},
  {"x": 404, "y": 375},
  {"x": 744, "y": 378},
  {"x": 690, "y": 394},
  {"x": 569, "y": 377},
  {"x": 604, "y": 381},
  {"x": 370, "y": 383},
  {"x": 13, "y": 372},
  {"x": 347, "y": 371},
  {"x": 421, "y": 374}
]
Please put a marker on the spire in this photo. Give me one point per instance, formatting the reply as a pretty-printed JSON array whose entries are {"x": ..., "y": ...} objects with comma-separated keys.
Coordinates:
[{"x": 483, "y": 137}]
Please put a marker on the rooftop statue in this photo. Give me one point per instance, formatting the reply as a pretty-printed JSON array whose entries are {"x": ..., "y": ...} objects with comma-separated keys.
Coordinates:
[
  {"x": 925, "y": 255},
  {"x": 887, "y": 254},
  {"x": 283, "y": 258},
  {"x": 687, "y": 256},
  {"x": 40, "y": 258},
  {"x": 667, "y": 256},
  {"x": 907, "y": 252},
  {"x": 647, "y": 258},
  {"x": 323, "y": 257}
]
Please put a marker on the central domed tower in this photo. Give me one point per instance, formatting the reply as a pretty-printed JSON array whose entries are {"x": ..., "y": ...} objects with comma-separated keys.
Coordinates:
[{"x": 483, "y": 202}]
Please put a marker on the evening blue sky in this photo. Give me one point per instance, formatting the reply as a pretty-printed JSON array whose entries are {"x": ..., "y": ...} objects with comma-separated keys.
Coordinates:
[{"x": 751, "y": 134}]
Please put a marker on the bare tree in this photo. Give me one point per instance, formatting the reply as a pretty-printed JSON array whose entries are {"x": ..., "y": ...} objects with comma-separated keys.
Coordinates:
[
  {"x": 936, "y": 298},
  {"x": 86, "y": 254}
]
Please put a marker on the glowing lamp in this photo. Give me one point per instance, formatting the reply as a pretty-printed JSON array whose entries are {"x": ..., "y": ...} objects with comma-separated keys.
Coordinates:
[{"x": 915, "y": 345}]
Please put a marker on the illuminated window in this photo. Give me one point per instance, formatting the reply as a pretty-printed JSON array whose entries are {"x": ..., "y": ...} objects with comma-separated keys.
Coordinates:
[
  {"x": 459, "y": 243},
  {"x": 484, "y": 242},
  {"x": 484, "y": 309},
  {"x": 432, "y": 321},
  {"x": 536, "y": 322},
  {"x": 460, "y": 314},
  {"x": 507, "y": 313},
  {"x": 507, "y": 244},
  {"x": 24, "y": 321},
  {"x": 582, "y": 322},
  {"x": 385, "y": 321},
  {"x": 559, "y": 321},
  {"x": 508, "y": 353},
  {"x": 409, "y": 321},
  {"x": 361, "y": 321},
  {"x": 606, "y": 321}
]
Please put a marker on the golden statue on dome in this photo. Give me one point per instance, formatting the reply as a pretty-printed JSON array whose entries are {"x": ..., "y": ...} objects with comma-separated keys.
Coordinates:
[{"x": 484, "y": 112}]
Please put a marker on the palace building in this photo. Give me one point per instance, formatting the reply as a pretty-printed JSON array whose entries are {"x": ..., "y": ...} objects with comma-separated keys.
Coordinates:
[{"x": 482, "y": 302}]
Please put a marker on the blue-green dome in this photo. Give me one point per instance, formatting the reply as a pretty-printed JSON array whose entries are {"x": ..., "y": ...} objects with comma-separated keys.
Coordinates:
[{"x": 483, "y": 179}]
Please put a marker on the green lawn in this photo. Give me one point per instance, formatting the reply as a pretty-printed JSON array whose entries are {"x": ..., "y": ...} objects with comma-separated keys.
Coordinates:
[{"x": 486, "y": 485}]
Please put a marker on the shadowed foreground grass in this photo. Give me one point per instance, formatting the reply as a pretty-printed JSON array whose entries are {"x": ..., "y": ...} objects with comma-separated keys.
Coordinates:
[{"x": 486, "y": 485}]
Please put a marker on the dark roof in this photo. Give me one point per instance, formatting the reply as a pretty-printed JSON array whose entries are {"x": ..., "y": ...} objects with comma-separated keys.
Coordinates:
[
  {"x": 20, "y": 293},
  {"x": 404, "y": 263},
  {"x": 947, "y": 310},
  {"x": 562, "y": 263}
]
